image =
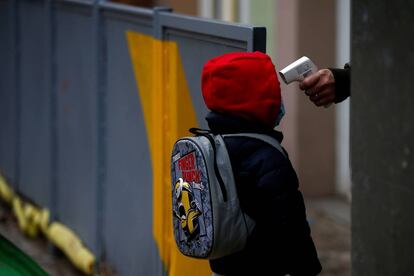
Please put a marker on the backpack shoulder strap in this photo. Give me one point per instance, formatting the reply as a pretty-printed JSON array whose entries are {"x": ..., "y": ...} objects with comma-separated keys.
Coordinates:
[
  {"x": 265, "y": 138},
  {"x": 210, "y": 137}
]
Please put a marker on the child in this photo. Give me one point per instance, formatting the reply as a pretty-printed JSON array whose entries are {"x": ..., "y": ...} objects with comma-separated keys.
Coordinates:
[{"x": 243, "y": 93}]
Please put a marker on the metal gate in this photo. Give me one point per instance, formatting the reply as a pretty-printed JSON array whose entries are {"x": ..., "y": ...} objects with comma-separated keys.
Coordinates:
[{"x": 92, "y": 96}]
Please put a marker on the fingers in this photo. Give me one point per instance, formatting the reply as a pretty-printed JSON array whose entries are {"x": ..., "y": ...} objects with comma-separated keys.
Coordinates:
[
  {"x": 325, "y": 102},
  {"x": 312, "y": 91},
  {"x": 320, "y": 87},
  {"x": 323, "y": 80},
  {"x": 310, "y": 81},
  {"x": 323, "y": 98}
]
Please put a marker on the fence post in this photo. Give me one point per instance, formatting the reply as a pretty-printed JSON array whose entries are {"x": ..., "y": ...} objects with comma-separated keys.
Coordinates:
[
  {"x": 100, "y": 89},
  {"x": 258, "y": 40},
  {"x": 15, "y": 33}
]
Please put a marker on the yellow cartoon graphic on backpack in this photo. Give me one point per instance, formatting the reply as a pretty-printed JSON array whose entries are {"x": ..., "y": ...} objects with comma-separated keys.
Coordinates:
[{"x": 187, "y": 210}]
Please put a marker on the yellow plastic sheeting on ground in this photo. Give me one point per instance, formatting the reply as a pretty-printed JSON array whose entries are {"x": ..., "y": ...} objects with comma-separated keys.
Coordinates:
[
  {"x": 5, "y": 192},
  {"x": 33, "y": 220},
  {"x": 71, "y": 245},
  {"x": 168, "y": 113}
]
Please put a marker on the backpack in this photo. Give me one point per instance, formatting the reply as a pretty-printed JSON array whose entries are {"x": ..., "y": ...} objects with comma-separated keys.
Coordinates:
[{"x": 207, "y": 219}]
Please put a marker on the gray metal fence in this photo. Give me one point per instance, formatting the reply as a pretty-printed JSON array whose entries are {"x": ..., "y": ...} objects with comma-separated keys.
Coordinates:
[{"x": 72, "y": 132}]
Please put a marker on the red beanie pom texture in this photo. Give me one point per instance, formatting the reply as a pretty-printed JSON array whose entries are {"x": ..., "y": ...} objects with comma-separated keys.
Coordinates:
[{"x": 242, "y": 84}]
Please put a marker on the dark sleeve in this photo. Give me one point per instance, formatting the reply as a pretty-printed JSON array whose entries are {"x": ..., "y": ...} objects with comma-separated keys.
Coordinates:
[
  {"x": 283, "y": 217},
  {"x": 268, "y": 191},
  {"x": 268, "y": 187},
  {"x": 282, "y": 201},
  {"x": 342, "y": 82},
  {"x": 266, "y": 181}
]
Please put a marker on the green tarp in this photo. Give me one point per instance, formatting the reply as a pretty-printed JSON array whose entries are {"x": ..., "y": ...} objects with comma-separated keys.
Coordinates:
[{"x": 14, "y": 262}]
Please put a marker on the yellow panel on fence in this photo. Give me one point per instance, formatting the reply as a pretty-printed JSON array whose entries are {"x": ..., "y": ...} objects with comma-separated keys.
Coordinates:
[{"x": 168, "y": 113}]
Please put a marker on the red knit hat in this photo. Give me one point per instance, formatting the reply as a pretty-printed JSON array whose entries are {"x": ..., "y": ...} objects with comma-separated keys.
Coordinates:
[{"x": 243, "y": 84}]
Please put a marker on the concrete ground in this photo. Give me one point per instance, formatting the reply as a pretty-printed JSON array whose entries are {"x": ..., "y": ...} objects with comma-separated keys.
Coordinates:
[{"x": 329, "y": 220}]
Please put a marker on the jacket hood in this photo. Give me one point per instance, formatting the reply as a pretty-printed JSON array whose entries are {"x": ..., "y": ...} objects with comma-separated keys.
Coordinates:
[{"x": 243, "y": 84}]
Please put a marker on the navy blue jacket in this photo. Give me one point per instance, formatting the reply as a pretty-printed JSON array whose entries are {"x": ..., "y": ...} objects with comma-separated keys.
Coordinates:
[{"x": 267, "y": 186}]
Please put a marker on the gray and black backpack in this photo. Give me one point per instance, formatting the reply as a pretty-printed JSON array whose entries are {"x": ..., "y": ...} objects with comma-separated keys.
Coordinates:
[{"x": 208, "y": 221}]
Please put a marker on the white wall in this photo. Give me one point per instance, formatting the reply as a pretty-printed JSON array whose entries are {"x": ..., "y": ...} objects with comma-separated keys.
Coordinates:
[{"x": 343, "y": 175}]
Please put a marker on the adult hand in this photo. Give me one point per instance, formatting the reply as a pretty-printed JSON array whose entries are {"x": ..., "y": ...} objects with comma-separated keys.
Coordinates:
[{"x": 320, "y": 87}]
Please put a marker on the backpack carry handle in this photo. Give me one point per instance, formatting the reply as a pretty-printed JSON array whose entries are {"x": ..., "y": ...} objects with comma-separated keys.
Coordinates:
[{"x": 199, "y": 131}]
